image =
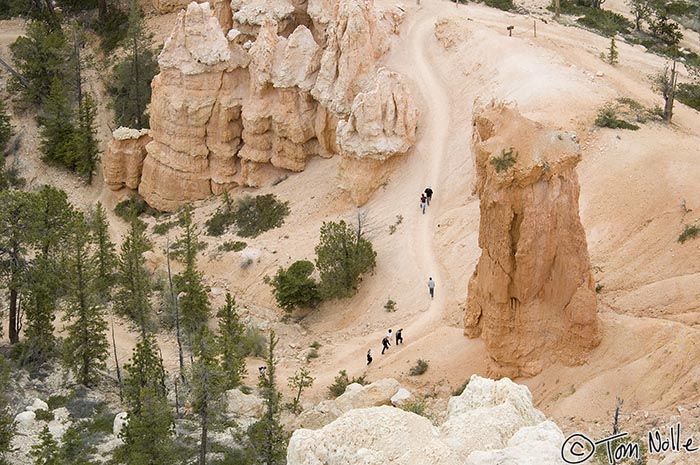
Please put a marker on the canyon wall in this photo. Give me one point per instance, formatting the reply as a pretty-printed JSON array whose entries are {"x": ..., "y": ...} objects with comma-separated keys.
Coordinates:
[
  {"x": 252, "y": 89},
  {"x": 532, "y": 296}
]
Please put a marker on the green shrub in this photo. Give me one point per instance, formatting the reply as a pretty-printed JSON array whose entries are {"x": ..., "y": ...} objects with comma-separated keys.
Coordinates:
[
  {"x": 57, "y": 401},
  {"x": 690, "y": 232},
  {"x": 505, "y": 161},
  {"x": 419, "y": 368},
  {"x": 598, "y": 287},
  {"x": 417, "y": 406},
  {"x": 460, "y": 389},
  {"x": 132, "y": 206},
  {"x": 341, "y": 382},
  {"x": 163, "y": 228},
  {"x": 315, "y": 345},
  {"x": 504, "y": 5},
  {"x": 44, "y": 415},
  {"x": 606, "y": 22},
  {"x": 255, "y": 215},
  {"x": 232, "y": 246},
  {"x": 689, "y": 94},
  {"x": 112, "y": 30},
  {"x": 222, "y": 218},
  {"x": 313, "y": 353},
  {"x": 293, "y": 287},
  {"x": 390, "y": 306},
  {"x": 607, "y": 118},
  {"x": 253, "y": 342}
]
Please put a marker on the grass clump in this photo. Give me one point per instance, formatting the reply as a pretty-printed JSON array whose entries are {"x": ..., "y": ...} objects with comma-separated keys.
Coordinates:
[
  {"x": 505, "y": 161},
  {"x": 341, "y": 382},
  {"x": 691, "y": 231},
  {"x": 418, "y": 406},
  {"x": 390, "y": 306},
  {"x": 255, "y": 215},
  {"x": 419, "y": 368},
  {"x": 232, "y": 246}
]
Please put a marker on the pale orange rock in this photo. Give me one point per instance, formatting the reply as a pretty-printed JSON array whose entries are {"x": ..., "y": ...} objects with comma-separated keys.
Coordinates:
[
  {"x": 122, "y": 162},
  {"x": 532, "y": 296}
]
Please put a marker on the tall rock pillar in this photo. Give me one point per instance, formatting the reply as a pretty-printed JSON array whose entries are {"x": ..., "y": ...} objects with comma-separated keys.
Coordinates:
[{"x": 532, "y": 296}]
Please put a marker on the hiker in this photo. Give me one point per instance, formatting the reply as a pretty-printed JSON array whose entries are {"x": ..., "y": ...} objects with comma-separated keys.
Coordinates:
[
  {"x": 428, "y": 194},
  {"x": 423, "y": 201},
  {"x": 388, "y": 334},
  {"x": 261, "y": 370},
  {"x": 399, "y": 337},
  {"x": 385, "y": 344},
  {"x": 431, "y": 287},
  {"x": 369, "y": 356}
]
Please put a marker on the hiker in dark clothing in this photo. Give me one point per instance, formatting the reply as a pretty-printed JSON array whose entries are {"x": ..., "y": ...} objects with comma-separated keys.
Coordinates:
[
  {"x": 428, "y": 194},
  {"x": 369, "y": 356},
  {"x": 399, "y": 337},
  {"x": 385, "y": 344}
]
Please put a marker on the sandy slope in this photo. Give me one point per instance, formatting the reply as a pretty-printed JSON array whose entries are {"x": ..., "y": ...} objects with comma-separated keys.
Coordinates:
[{"x": 632, "y": 184}]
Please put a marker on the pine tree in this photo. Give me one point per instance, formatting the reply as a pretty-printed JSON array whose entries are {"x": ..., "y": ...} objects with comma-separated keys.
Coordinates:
[
  {"x": 342, "y": 256},
  {"x": 134, "y": 281},
  {"x": 86, "y": 344},
  {"x": 40, "y": 58},
  {"x": 6, "y": 132},
  {"x": 612, "y": 52},
  {"x": 148, "y": 434},
  {"x": 85, "y": 141},
  {"x": 7, "y": 422},
  {"x": 229, "y": 344},
  {"x": 208, "y": 386},
  {"x": 16, "y": 226},
  {"x": 46, "y": 452},
  {"x": 301, "y": 380},
  {"x": 268, "y": 440},
  {"x": 54, "y": 215},
  {"x": 194, "y": 302},
  {"x": 58, "y": 133},
  {"x": 131, "y": 78},
  {"x": 106, "y": 256}
]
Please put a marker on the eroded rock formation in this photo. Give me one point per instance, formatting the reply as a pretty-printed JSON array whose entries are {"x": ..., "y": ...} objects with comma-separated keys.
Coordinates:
[
  {"x": 490, "y": 422},
  {"x": 123, "y": 160},
  {"x": 251, "y": 89},
  {"x": 532, "y": 296}
]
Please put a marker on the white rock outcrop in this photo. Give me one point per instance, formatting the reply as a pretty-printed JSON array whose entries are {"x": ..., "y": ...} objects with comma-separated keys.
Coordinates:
[
  {"x": 38, "y": 404},
  {"x": 491, "y": 422},
  {"x": 120, "y": 420},
  {"x": 25, "y": 419}
]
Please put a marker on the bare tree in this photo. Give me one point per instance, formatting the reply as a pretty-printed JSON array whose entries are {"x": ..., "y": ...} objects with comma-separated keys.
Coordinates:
[{"x": 665, "y": 82}]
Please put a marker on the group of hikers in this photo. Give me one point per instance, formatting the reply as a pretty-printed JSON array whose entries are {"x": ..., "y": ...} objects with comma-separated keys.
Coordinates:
[
  {"x": 425, "y": 198},
  {"x": 386, "y": 342}
]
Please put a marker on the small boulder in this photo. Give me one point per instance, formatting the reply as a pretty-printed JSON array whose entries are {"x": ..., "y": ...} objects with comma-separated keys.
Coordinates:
[
  {"x": 400, "y": 398},
  {"x": 120, "y": 420},
  {"x": 38, "y": 404},
  {"x": 243, "y": 405},
  {"x": 25, "y": 419}
]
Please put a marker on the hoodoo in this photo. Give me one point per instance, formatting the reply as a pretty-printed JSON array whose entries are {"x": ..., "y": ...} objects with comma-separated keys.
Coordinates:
[{"x": 532, "y": 296}]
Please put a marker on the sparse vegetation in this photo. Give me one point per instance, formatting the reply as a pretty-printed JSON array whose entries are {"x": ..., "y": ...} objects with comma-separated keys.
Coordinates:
[
  {"x": 605, "y": 22},
  {"x": 505, "y": 5},
  {"x": 232, "y": 246},
  {"x": 505, "y": 161},
  {"x": 689, "y": 94},
  {"x": 301, "y": 380},
  {"x": 162, "y": 228},
  {"x": 460, "y": 389},
  {"x": 255, "y": 215},
  {"x": 612, "y": 52},
  {"x": 691, "y": 231},
  {"x": 607, "y": 118},
  {"x": 419, "y": 368},
  {"x": 133, "y": 205},
  {"x": 222, "y": 218},
  {"x": 253, "y": 342},
  {"x": 598, "y": 288},
  {"x": 341, "y": 382},
  {"x": 418, "y": 406},
  {"x": 393, "y": 227},
  {"x": 390, "y": 305},
  {"x": 43, "y": 415}
]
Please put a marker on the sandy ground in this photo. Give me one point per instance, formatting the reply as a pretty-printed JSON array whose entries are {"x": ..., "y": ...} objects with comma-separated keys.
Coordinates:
[{"x": 632, "y": 186}]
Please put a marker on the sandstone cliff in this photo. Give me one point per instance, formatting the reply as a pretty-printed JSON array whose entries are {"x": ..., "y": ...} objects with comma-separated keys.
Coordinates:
[
  {"x": 532, "y": 296},
  {"x": 490, "y": 422},
  {"x": 122, "y": 162},
  {"x": 248, "y": 91}
]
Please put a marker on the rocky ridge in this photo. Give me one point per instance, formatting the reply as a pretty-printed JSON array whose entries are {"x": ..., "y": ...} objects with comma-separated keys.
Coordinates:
[
  {"x": 532, "y": 295},
  {"x": 250, "y": 90}
]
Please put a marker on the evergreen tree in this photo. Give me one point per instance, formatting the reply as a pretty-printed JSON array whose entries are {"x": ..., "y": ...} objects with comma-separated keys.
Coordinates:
[
  {"x": 86, "y": 150},
  {"x": 148, "y": 434},
  {"x": 301, "y": 380},
  {"x": 16, "y": 226},
  {"x": 7, "y": 422},
  {"x": 6, "y": 132},
  {"x": 342, "y": 256},
  {"x": 268, "y": 440},
  {"x": 58, "y": 133},
  {"x": 74, "y": 450},
  {"x": 612, "y": 52},
  {"x": 229, "y": 344},
  {"x": 54, "y": 216},
  {"x": 40, "y": 58},
  {"x": 46, "y": 452},
  {"x": 194, "y": 302},
  {"x": 133, "y": 281},
  {"x": 294, "y": 286},
  {"x": 86, "y": 344},
  {"x": 130, "y": 83},
  {"x": 208, "y": 386},
  {"x": 105, "y": 255}
]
